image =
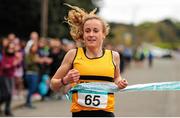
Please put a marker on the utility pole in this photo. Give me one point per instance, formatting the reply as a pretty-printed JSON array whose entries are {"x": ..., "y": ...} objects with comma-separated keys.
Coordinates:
[{"x": 44, "y": 18}]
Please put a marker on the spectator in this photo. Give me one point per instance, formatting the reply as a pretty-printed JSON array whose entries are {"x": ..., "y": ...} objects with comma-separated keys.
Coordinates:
[
  {"x": 150, "y": 59},
  {"x": 7, "y": 69},
  {"x": 32, "y": 72},
  {"x": 57, "y": 54},
  {"x": 34, "y": 37},
  {"x": 43, "y": 52}
]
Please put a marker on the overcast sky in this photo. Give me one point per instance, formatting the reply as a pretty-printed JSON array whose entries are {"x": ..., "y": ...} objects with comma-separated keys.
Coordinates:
[{"x": 138, "y": 11}]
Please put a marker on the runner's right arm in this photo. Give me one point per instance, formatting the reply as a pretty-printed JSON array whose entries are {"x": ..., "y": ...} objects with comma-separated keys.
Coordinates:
[{"x": 65, "y": 74}]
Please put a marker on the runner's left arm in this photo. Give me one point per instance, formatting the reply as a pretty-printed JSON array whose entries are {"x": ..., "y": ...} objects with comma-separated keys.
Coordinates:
[{"x": 119, "y": 81}]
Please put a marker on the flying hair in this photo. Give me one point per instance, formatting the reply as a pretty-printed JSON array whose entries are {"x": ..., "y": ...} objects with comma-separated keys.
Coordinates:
[{"x": 76, "y": 19}]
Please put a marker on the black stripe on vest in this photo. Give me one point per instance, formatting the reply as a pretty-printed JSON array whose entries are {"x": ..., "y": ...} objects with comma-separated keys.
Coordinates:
[
  {"x": 90, "y": 77},
  {"x": 75, "y": 91}
]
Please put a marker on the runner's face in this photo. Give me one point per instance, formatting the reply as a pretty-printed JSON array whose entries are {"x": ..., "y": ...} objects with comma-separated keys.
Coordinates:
[{"x": 93, "y": 34}]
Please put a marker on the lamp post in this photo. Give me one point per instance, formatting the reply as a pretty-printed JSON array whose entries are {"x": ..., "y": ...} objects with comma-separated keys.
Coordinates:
[{"x": 44, "y": 18}]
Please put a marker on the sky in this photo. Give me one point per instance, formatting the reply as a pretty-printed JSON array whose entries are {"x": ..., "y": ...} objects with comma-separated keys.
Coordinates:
[{"x": 138, "y": 11}]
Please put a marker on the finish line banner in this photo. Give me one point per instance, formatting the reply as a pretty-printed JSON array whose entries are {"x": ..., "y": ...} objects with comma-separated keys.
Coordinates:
[{"x": 109, "y": 87}]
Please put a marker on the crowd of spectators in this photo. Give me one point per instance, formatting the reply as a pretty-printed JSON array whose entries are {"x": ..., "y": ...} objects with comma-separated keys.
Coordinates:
[{"x": 28, "y": 65}]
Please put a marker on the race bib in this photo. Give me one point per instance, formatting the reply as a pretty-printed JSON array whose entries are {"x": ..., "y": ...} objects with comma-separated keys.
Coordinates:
[{"x": 93, "y": 100}]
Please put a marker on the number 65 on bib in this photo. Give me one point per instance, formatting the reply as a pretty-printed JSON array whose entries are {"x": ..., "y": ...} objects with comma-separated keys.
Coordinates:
[{"x": 93, "y": 100}]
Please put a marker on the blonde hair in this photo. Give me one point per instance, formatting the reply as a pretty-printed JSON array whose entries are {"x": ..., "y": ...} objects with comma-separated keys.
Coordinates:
[{"x": 76, "y": 19}]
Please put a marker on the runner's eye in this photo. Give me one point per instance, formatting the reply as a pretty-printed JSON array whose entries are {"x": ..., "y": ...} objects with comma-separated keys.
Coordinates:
[
  {"x": 96, "y": 30},
  {"x": 87, "y": 30}
]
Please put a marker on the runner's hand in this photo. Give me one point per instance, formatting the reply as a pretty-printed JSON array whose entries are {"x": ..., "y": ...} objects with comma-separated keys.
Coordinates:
[
  {"x": 72, "y": 76},
  {"x": 122, "y": 83}
]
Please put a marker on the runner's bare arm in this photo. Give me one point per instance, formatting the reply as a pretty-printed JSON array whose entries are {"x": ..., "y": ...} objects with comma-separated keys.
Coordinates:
[
  {"x": 56, "y": 81},
  {"x": 119, "y": 81}
]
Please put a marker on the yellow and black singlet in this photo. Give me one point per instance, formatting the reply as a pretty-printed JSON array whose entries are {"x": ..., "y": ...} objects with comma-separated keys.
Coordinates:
[{"x": 99, "y": 69}]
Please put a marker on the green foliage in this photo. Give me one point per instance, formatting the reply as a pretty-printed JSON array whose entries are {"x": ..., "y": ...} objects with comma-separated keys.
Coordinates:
[
  {"x": 168, "y": 45},
  {"x": 56, "y": 27},
  {"x": 165, "y": 34},
  {"x": 118, "y": 33}
]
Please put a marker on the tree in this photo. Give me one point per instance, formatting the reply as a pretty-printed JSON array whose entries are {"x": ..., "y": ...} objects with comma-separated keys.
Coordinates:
[
  {"x": 24, "y": 16},
  {"x": 19, "y": 16}
]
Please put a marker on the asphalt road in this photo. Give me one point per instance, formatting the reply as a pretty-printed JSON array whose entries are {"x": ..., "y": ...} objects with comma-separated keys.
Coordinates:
[{"x": 128, "y": 104}]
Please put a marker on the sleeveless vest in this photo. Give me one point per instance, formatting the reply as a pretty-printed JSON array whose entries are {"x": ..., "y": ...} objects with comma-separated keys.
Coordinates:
[{"x": 99, "y": 69}]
